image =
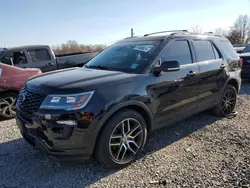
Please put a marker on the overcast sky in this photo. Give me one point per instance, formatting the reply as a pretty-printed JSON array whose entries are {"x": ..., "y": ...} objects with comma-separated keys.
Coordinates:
[{"x": 103, "y": 21}]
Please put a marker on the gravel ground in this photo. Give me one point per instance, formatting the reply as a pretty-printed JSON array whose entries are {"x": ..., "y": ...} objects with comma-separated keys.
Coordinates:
[{"x": 202, "y": 151}]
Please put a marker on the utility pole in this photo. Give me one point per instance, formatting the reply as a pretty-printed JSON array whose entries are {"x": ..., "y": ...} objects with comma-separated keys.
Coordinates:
[{"x": 132, "y": 33}]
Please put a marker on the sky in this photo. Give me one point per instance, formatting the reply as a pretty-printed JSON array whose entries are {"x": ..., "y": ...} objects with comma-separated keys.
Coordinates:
[{"x": 52, "y": 22}]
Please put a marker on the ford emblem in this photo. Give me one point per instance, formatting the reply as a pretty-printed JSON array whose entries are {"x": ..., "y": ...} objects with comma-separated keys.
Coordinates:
[{"x": 21, "y": 97}]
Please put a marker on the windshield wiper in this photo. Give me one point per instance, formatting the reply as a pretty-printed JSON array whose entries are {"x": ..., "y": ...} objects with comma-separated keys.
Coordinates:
[{"x": 99, "y": 67}]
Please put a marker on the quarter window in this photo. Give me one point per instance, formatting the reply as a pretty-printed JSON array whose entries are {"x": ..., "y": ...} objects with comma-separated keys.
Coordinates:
[
  {"x": 228, "y": 49},
  {"x": 177, "y": 51}
]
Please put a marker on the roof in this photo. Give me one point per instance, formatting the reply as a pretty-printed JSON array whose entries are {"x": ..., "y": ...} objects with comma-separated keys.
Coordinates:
[{"x": 27, "y": 46}]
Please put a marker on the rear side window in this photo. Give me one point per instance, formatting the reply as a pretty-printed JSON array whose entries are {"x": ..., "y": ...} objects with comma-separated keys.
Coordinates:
[
  {"x": 38, "y": 55},
  {"x": 205, "y": 51},
  {"x": 228, "y": 49},
  {"x": 177, "y": 51}
]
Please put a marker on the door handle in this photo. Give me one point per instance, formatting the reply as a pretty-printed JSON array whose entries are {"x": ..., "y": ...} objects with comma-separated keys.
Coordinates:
[
  {"x": 50, "y": 64},
  {"x": 222, "y": 66},
  {"x": 191, "y": 74}
]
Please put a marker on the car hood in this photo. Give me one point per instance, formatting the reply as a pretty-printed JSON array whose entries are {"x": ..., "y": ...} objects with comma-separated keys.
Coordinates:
[
  {"x": 244, "y": 54},
  {"x": 76, "y": 80}
]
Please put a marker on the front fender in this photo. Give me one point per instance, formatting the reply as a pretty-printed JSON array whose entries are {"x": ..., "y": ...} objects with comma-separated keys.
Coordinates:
[{"x": 120, "y": 106}]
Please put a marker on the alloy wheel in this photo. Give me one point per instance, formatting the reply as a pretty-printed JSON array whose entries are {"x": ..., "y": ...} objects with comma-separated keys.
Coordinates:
[
  {"x": 228, "y": 102},
  {"x": 126, "y": 140},
  {"x": 8, "y": 107}
]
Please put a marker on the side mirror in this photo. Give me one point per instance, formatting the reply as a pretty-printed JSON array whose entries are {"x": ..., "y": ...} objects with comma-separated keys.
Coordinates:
[{"x": 167, "y": 66}]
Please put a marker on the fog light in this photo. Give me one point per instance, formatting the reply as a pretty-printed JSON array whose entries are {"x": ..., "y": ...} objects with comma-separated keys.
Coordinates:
[
  {"x": 47, "y": 116},
  {"x": 67, "y": 122}
]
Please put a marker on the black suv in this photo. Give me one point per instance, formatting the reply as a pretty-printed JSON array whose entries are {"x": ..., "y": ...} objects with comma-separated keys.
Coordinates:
[{"x": 106, "y": 108}]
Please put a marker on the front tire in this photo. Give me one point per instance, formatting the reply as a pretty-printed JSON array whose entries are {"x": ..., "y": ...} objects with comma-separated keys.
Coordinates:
[
  {"x": 227, "y": 102},
  {"x": 122, "y": 139},
  {"x": 8, "y": 105}
]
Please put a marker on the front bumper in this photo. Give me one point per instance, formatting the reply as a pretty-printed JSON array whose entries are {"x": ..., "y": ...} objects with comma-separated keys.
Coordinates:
[{"x": 63, "y": 142}]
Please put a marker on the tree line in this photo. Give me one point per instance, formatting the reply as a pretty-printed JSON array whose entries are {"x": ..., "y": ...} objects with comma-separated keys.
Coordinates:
[
  {"x": 238, "y": 33},
  {"x": 72, "y": 46}
]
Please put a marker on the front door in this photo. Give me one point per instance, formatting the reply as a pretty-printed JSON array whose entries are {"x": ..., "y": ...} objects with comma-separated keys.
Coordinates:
[
  {"x": 175, "y": 93},
  {"x": 40, "y": 58}
]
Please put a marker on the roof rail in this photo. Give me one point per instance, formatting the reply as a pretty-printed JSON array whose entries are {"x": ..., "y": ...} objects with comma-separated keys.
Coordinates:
[
  {"x": 165, "y": 32},
  {"x": 211, "y": 33}
]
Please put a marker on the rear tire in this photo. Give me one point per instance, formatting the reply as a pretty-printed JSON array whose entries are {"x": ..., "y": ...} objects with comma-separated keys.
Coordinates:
[
  {"x": 122, "y": 139},
  {"x": 227, "y": 103},
  {"x": 8, "y": 105}
]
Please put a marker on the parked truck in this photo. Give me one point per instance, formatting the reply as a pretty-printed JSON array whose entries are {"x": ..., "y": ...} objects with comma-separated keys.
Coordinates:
[{"x": 42, "y": 57}]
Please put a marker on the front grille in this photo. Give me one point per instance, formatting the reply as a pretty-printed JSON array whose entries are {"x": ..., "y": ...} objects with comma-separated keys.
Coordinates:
[{"x": 29, "y": 102}]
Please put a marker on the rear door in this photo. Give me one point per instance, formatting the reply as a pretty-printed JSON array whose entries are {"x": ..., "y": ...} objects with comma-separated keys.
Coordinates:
[
  {"x": 41, "y": 58},
  {"x": 175, "y": 93},
  {"x": 212, "y": 75}
]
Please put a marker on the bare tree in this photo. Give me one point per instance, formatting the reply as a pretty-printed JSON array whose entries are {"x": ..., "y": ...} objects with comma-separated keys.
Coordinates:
[
  {"x": 234, "y": 36},
  {"x": 72, "y": 46},
  {"x": 196, "y": 29},
  {"x": 221, "y": 32},
  {"x": 242, "y": 26}
]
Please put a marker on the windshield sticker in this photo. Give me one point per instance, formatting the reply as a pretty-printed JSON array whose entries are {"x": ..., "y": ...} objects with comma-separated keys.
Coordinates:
[
  {"x": 143, "y": 48},
  {"x": 134, "y": 65}
]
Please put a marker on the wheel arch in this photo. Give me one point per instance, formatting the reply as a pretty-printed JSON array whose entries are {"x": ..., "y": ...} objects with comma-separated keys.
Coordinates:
[
  {"x": 233, "y": 82},
  {"x": 138, "y": 106}
]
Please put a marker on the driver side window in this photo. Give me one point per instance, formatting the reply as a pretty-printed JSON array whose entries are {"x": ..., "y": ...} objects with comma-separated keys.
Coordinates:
[
  {"x": 16, "y": 57},
  {"x": 1, "y": 71},
  {"x": 177, "y": 51}
]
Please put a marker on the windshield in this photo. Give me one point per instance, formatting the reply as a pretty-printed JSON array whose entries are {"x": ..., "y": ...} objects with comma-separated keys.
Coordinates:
[
  {"x": 247, "y": 49},
  {"x": 126, "y": 57},
  {"x": 1, "y": 51}
]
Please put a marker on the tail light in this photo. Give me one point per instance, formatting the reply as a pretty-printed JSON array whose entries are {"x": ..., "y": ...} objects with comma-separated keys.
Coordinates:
[{"x": 241, "y": 62}]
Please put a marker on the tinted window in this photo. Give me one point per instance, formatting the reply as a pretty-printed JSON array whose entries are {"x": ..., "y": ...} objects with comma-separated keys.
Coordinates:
[
  {"x": 247, "y": 49},
  {"x": 1, "y": 52},
  {"x": 17, "y": 57},
  {"x": 229, "y": 50},
  {"x": 37, "y": 55},
  {"x": 204, "y": 50},
  {"x": 177, "y": 51}
]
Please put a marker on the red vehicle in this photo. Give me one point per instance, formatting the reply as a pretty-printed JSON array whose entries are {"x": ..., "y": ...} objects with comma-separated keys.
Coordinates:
[{"x": 11, "y": 80}]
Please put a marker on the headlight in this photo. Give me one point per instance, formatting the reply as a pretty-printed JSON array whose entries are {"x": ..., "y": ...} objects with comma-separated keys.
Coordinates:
[{"x": 67, "y": 102}]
